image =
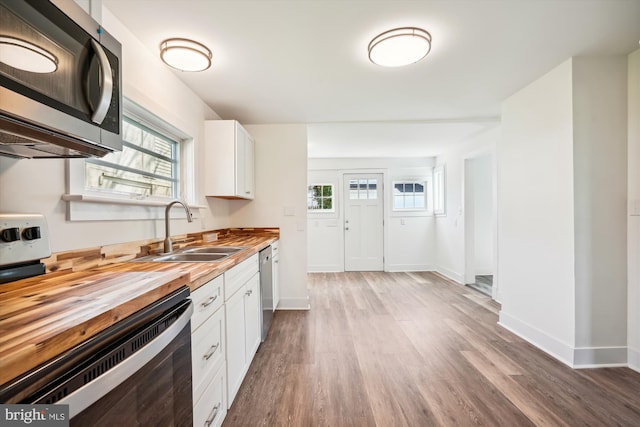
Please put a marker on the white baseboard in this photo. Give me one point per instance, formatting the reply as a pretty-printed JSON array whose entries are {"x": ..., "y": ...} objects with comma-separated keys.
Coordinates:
[
  {"x": 456, "y": 277},
  {"x": 599, "y": 357},
  {"x": 324, "y": 269},
  {"x": 293, "y": 304},
  {"x": 577, "y": 358},
  {"x": 545, "y": 342},
  {"x": 402, "y": 268},
  {"x": 633, "y": 358}
]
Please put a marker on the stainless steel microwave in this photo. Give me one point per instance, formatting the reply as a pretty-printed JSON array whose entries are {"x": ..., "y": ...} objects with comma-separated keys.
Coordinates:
[{"x": 60, "y": 82}]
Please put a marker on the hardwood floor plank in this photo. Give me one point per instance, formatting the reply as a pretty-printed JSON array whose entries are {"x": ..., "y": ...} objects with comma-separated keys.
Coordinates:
[{"x": 414, "y": 349}]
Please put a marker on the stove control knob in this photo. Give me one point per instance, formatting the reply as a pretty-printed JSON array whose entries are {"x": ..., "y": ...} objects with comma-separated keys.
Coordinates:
[
  {"x": 10, "y": 234},
  {"x": 31, "y": 233}
]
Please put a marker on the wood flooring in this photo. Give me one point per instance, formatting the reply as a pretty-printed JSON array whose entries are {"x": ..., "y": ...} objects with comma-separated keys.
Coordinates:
[{"x": 413, "y": 349}]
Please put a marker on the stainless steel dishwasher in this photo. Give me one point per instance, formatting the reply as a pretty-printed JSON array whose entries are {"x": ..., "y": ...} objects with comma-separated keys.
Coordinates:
[
  {"x": 266, "y": 290},
  {"x": 135, "y": 373}
]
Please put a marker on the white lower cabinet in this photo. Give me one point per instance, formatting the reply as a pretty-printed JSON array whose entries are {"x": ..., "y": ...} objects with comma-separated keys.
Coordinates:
[
  {"x": 242, "y": 302},
  {"x": 275, "y": 272},
  {"x": 208, "y": 354},
  {"x": 225, "y": 335}
]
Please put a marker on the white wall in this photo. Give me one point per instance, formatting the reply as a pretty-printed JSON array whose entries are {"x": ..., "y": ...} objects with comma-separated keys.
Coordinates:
[
  {"x": 535, "y": 213},
  {"x": 633, "y": 221},
  {"x": 280, "y": 201},
  {"x": 408, "y": 236},
  {"x": 561, "y": 193},
  {"x": 449, "y": 228},
  {"x": 600, "y": 208},
  {"x": 37, "y": 185}
]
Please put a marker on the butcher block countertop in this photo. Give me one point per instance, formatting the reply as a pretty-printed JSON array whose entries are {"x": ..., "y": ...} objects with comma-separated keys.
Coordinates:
[{"x": 42, "y": 317}]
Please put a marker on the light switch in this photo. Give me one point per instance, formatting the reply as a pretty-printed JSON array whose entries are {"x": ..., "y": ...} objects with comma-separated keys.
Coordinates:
[{"x": 289, "y": 211}]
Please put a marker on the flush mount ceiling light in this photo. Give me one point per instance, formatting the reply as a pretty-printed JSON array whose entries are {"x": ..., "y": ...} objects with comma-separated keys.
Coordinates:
[
  {"x": 26, "y": 56},
  {"x": 400, "y": 46},
  {"x": 185, "y": 55}
]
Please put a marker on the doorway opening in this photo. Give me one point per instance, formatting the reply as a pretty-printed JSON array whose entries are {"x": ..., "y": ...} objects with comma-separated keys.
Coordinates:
[{"x": 479, "y": 223}]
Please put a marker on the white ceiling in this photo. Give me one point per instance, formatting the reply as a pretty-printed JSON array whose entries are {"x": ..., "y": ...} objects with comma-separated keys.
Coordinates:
[{"x": 305, "y": 61}]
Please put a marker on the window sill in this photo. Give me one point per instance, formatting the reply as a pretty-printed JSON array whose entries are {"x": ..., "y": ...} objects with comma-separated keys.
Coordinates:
[{"x": 91, "y": 207}]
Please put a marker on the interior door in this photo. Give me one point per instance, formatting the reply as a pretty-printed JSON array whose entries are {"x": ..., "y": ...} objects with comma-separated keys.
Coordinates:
[{"x": 363, "y": 222}]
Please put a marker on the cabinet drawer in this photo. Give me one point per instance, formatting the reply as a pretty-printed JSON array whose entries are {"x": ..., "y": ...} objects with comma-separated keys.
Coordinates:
[
  {"x": 207, "y": 351},
  {"x": 235, "y": 278},
  {"x": 206, "y": 300},
  {"x": 275, "y": 248},
  {"x": 211, "y": 409}
]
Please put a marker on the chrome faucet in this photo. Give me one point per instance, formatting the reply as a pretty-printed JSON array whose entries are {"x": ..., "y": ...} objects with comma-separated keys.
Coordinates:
[{"x": 168, "y": 245}]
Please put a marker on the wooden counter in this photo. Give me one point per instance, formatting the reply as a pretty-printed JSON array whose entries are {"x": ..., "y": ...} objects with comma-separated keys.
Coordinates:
[{"x": 43, "y": 316}]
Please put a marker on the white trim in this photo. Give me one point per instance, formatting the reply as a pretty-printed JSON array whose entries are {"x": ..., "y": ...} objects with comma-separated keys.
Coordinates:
[
  {"x": 325, "y": 269},
  {"x": 550, "y": 345},
  {"x": 407, "y": 268},
  {"x": 599, "y": 357},
  {"x": 96, "y": 198},
  {"x": 451, "y": 275},
  {"x": 633, "y": 358},
  {"x": 294, "y": 304}
]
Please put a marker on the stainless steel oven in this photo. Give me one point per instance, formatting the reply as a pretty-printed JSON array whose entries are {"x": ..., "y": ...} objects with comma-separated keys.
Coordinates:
[
  {"x": 136, "y": 373},
  {"x": 60, "y": 81}
]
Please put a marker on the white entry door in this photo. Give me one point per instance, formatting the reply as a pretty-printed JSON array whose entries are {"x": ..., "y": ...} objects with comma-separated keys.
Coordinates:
[{"x": 363, "y": 222}]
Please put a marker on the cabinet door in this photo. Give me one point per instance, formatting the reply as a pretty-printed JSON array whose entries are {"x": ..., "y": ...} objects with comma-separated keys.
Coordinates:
[
  {"x": 244, "y": 163},
  {"x": 235, "y": 326},
  {"x": 249, "y": 167},
  {"x": 252, "y": 315},
  {"x": 275, "y": 271}
]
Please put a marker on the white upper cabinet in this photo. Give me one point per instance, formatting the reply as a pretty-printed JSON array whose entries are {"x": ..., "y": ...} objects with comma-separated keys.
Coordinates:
[{"x": 229, "y": 160}]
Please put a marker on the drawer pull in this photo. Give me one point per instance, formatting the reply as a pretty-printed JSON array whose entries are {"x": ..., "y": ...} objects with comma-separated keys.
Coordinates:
[
  {"x": 211, "y": 351},
  {"x": 249, "y": 292},
  {"x": 212, "y": 415},
  {"x": 210, "y": 301}
]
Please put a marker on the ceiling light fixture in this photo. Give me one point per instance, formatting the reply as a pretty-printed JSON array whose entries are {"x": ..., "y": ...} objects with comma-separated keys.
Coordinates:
[
  {"x": 185, "y": 54},
  {"x": 26, "y": 56},
  {"x": 399, "y": 47}
]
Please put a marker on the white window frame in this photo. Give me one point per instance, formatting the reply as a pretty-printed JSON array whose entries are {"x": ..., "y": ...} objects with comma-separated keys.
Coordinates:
[
  {"x": 87, "y": 205},
  {"x": 422, "y": 181},
  {"x": 439, "y": 191},
  {"x": 333, "y": 199}
]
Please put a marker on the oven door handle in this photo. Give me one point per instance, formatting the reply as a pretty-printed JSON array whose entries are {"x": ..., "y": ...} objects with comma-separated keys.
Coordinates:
[{"x": 93, "y": 391}]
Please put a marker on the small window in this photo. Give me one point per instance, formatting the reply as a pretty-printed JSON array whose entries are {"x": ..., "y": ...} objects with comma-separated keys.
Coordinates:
[
  {"x": 409, "y": 196},
  {"x": 320, "y": 198},
  {"x": 439, "y": 190},
  {"x": 147, "y": 166}
]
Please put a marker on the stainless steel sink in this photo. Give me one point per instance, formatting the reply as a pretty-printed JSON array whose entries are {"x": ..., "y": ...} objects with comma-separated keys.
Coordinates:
[
  {"x": 215, "y": 250},
  {"x": 189, "y": 257}
]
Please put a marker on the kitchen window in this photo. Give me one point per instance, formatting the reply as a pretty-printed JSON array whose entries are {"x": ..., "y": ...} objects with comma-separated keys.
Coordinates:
[
  {"x": 320, "y": 198},
  {"x": 409, "y": 196},
  {"x": 147, "y": 166},
  {"x": 155, "y": 166}
]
